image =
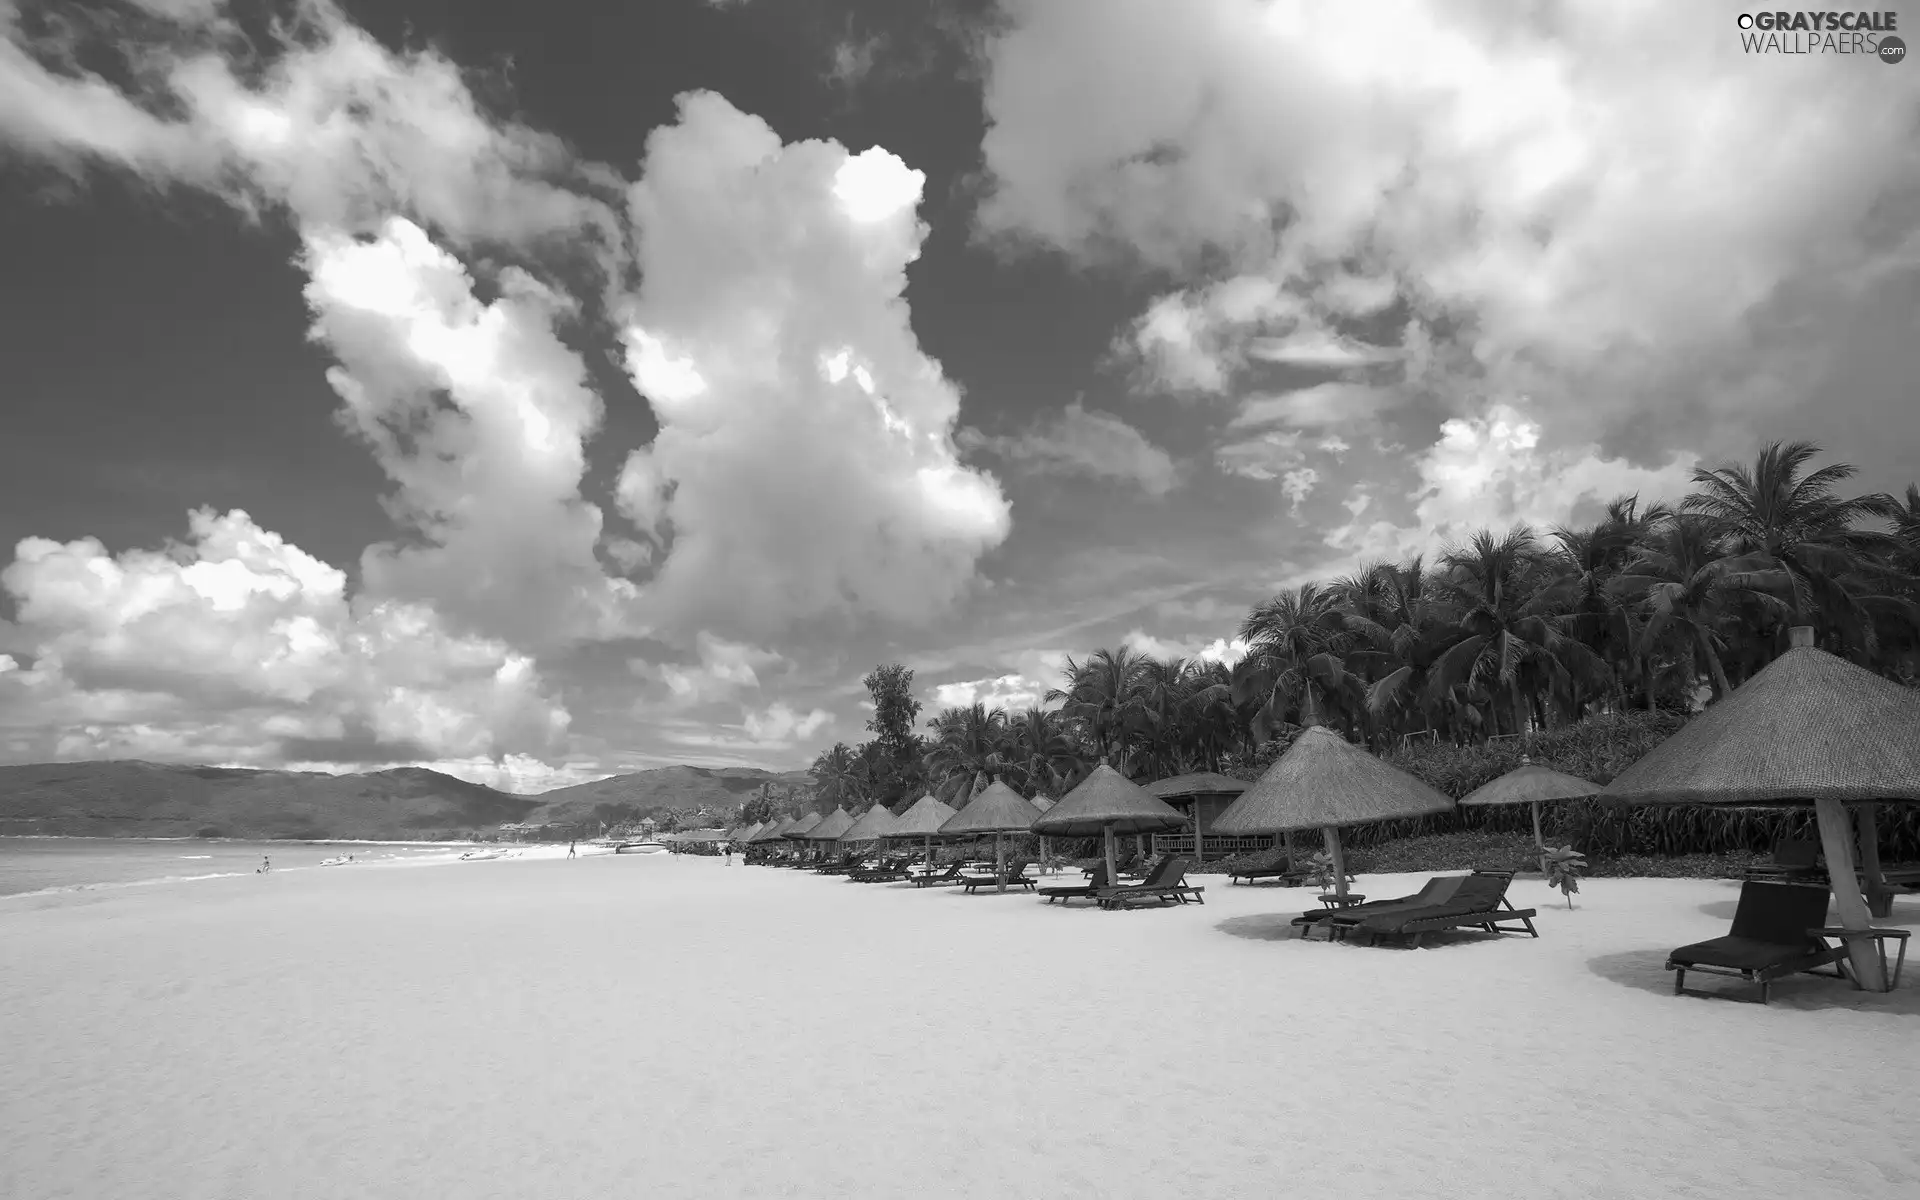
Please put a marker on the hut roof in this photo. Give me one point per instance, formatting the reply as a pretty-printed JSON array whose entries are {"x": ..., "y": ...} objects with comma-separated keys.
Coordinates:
[
  {"x": 1811, "y": 726},
  {"x": 803, "y": 826},
  {"x": 1197, "y": 783},
  {"x": 830, "y": 827},
  {"x": 924, "y": 818},
  {"x": 875, "y": 823},
  {"x": 1324, "y": 780},
  {"x": 998, "y": 809},
  {"x": 745, "y": 833},
  {"x": 1527, "y": 783},
  {"x": 1105, "y": 798},
  {"x": 772, "y": 829}
]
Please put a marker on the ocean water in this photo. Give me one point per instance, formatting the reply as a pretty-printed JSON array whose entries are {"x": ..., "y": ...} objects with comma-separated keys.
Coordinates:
[{"x": 39, "y": 864}]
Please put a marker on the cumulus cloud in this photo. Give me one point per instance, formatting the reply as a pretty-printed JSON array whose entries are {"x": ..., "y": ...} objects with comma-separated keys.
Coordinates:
[
  {"x": 481, "y": 416},
  {"x": 1082, "y": 442},
  {"x": 1227, "y": 651},
  {"x": 1629, "y": 238},
  {"x": 237, "y": 645},
  {"x": 723, "y": 670},
  {"x": 805, "y": 465},
  {"x": 1033, "y": 674}
]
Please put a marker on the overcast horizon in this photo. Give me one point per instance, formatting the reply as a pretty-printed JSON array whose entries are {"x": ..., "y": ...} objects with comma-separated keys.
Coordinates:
[{"x": 541, "y": 392}]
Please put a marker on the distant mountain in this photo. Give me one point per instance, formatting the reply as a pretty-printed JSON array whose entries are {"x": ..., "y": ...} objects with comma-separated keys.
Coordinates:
[
  {"x": 661, "y": 788},
  {"x": 143, "y": 799}
]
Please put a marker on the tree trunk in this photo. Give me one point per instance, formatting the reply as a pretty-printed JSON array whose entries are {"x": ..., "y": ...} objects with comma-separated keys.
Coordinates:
[{"x": 1716, "y": 672}]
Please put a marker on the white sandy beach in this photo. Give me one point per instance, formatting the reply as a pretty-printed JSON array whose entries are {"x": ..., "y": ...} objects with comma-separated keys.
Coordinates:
[{"x": 668, "y": 1027}]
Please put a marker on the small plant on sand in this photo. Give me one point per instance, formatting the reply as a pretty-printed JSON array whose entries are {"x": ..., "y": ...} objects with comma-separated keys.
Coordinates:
[
  {"x": 1320, "y": 870},
  {"x": 1564, "y": 868}
]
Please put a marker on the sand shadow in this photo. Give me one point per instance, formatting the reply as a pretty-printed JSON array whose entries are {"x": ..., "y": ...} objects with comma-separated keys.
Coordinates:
[
  {"x": 1261, "y": 927},
  {"x": 1645, "y": 970},
  {"x": 1278, "y": 927}
]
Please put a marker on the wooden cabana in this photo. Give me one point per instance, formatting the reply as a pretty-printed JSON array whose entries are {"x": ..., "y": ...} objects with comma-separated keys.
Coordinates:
[
  {"x": 1809, "y": 729},
  {"x": 1325, "y": 782},
  {"x": 1204, "y": 795}
]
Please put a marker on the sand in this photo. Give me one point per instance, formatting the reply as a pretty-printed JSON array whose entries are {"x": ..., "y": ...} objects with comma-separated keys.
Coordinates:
[{"x": 669, "y": 1027}]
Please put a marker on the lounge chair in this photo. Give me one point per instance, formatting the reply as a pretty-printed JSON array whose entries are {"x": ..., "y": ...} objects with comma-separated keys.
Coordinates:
[
  {"x": 1016, "y": 876},
  {"x": 1438, "y": 890},
  {"x": 1096, "y": 880},
  {"x": 1165, "y": 884},
  {"x": 885, "y": 871},
  {"x": 939, "y": 878},
  {"x": 1127, "y": 864},
  {"x": 1794, "y": 861},
  {"x": 1281, "y": 869},
  {"x": 1478, "y": 902},
  {"x": 1771, "y": 937},
  {"x": 845, "y": 863}
]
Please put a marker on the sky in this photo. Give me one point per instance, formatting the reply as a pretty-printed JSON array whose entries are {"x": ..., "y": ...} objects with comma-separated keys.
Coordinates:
[{"x": 541, "y": 391}]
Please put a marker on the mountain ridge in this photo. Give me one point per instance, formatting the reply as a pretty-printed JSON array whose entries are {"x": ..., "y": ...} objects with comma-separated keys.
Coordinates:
[{"x": 139, "y": 798}]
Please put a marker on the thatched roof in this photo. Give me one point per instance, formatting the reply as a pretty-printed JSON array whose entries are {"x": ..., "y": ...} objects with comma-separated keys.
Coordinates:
[
  {"x": 873, "y": 824},
  {"x": 1527, "y": 784},
  {"x": 998, "y": 809},
  {"x": 924, "y": 818},
  {"x": 830, "y": 827},
  {"x": 1197, "y": 783},
  {"x": 1107, "y": 798},
  {"x": 746, "y": 833},
  {"x": 1324, "y": 780},
  {"x": 803, "y": 827},
  {"x": 1810, "y": 726},
  {"x": 773, "y": 830}
]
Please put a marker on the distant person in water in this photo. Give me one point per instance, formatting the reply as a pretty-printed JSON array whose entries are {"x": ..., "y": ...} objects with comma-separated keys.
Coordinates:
[{"x": 570, "y": 846}]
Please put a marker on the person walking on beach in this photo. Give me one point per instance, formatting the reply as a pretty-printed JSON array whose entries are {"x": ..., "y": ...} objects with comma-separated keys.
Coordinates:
[
  {"x": 266, "y": 864},
  {"x": 727, "y": 849},
  {"x": 570, "y": 846}
]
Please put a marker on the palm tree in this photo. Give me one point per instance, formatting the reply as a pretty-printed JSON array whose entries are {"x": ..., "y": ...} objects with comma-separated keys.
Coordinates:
[
  {"x": 839, "y": 775},
  {"x": 967, "y": 749},
  {"x": 1040, "y": 756},
  {"x": 1296, "y": 661},
  {"x": 1102, "y": 697},
  {"x": 1503, "y": 632},
  {"x": 1688, "y": 586}
]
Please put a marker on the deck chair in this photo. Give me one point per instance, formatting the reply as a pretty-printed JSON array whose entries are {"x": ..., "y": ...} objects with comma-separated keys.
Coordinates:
[
  {"x": 1438, "y": 890},
  {"x": 1165, "y": 884},
  {"x": 1771, "y": 937},
  {"x": 1281, "y": 869},
  {"x": 846, "y": 863},
  {"x": 1096, "y": 880},
  {"x": 1479, "y": 902},
  {"x": 1016, "y": 876},
  {"x": 937, "y": 878},
  {"x": 1795, "y": 860},
  {"x": 1127, "y": 864},
  {"x": 887, "y": 870}
]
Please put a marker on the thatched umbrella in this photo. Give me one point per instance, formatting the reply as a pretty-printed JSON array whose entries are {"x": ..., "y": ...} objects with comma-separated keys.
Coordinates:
[
  {"x": 872, "y": 825},
  {"x": 998, "y": 810},
  {"x": 831, "y": 826},
  {"x": 1324, "y": 782},
  {"x": 1192, "y": 788},
  {"x": 923, "y": 820},
  {"x": 1105, "y": 803},
  {"x": 1811, "y": 727},
  {"x": 1530, "y": 784}
]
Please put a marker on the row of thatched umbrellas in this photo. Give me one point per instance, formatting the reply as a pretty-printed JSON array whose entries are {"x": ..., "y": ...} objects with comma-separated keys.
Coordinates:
[{"x": 1809, "y": 729}]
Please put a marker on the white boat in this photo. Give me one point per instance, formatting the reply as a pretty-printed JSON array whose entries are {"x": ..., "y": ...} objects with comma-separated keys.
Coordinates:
[
  {"x": 482, "y": 855},
  {"x": 640, "y": 848}
]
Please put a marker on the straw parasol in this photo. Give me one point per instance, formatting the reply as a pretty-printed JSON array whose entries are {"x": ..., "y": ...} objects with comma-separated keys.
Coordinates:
[
  {"x": 830, "y": 827},
  {"x": 923, "y": 820},
  {"x": 1191, "y": 787},
  {"x": 874, "y": 824},
  {"x": 998, "y": 810},
  {"x": 1810, "y": 728},
  {"x": 802, "y": 827},
  {"x": 1325, "y": 782},
  {"x": 1105, "y": 803},
  {"x": 1530, "y": 784}
]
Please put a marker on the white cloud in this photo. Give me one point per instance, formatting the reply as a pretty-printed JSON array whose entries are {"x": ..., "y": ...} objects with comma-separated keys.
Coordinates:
[
  {"x": 239, "y": 646},
  {"x": 1221, "y": 650},
  {"x": 779, "y": 724},
  {"x": 724, "y": 669},
  {"x": 336, "y": 128},
  {"x": 1321, "y": 406},
  {"x": 1557, "y": 206},
  {"x": 1011, "y": 692},
  {"x": 1297, "y": 485},
  {"x": 481, "y": 416},
  {"x": 779, "y": 494},
  {"x": 1082, "y": 442},
  {"x": 1265, "y": 457}
]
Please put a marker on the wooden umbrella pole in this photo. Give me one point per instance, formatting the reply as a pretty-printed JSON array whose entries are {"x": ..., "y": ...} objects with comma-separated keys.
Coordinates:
[
  {"x": 1836, "y": 840},
  {"x": 1879, "y": 895},
  {"x": 1199, "y": 847},
  {"x": 1113, "y": 875},
  {"x": 1000, "y": 858},
  {"x": 1332, "y": 837},
  {"x": 1539, "y": 841}
]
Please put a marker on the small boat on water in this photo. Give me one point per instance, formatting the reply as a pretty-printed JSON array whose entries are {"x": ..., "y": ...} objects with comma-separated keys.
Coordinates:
[
  {"x": 482, "y": 855},
  {"x": 640, "y": 848}
]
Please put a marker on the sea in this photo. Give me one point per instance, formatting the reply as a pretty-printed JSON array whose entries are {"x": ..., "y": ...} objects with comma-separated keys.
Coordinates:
[{"x": 31, "y": 865}]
